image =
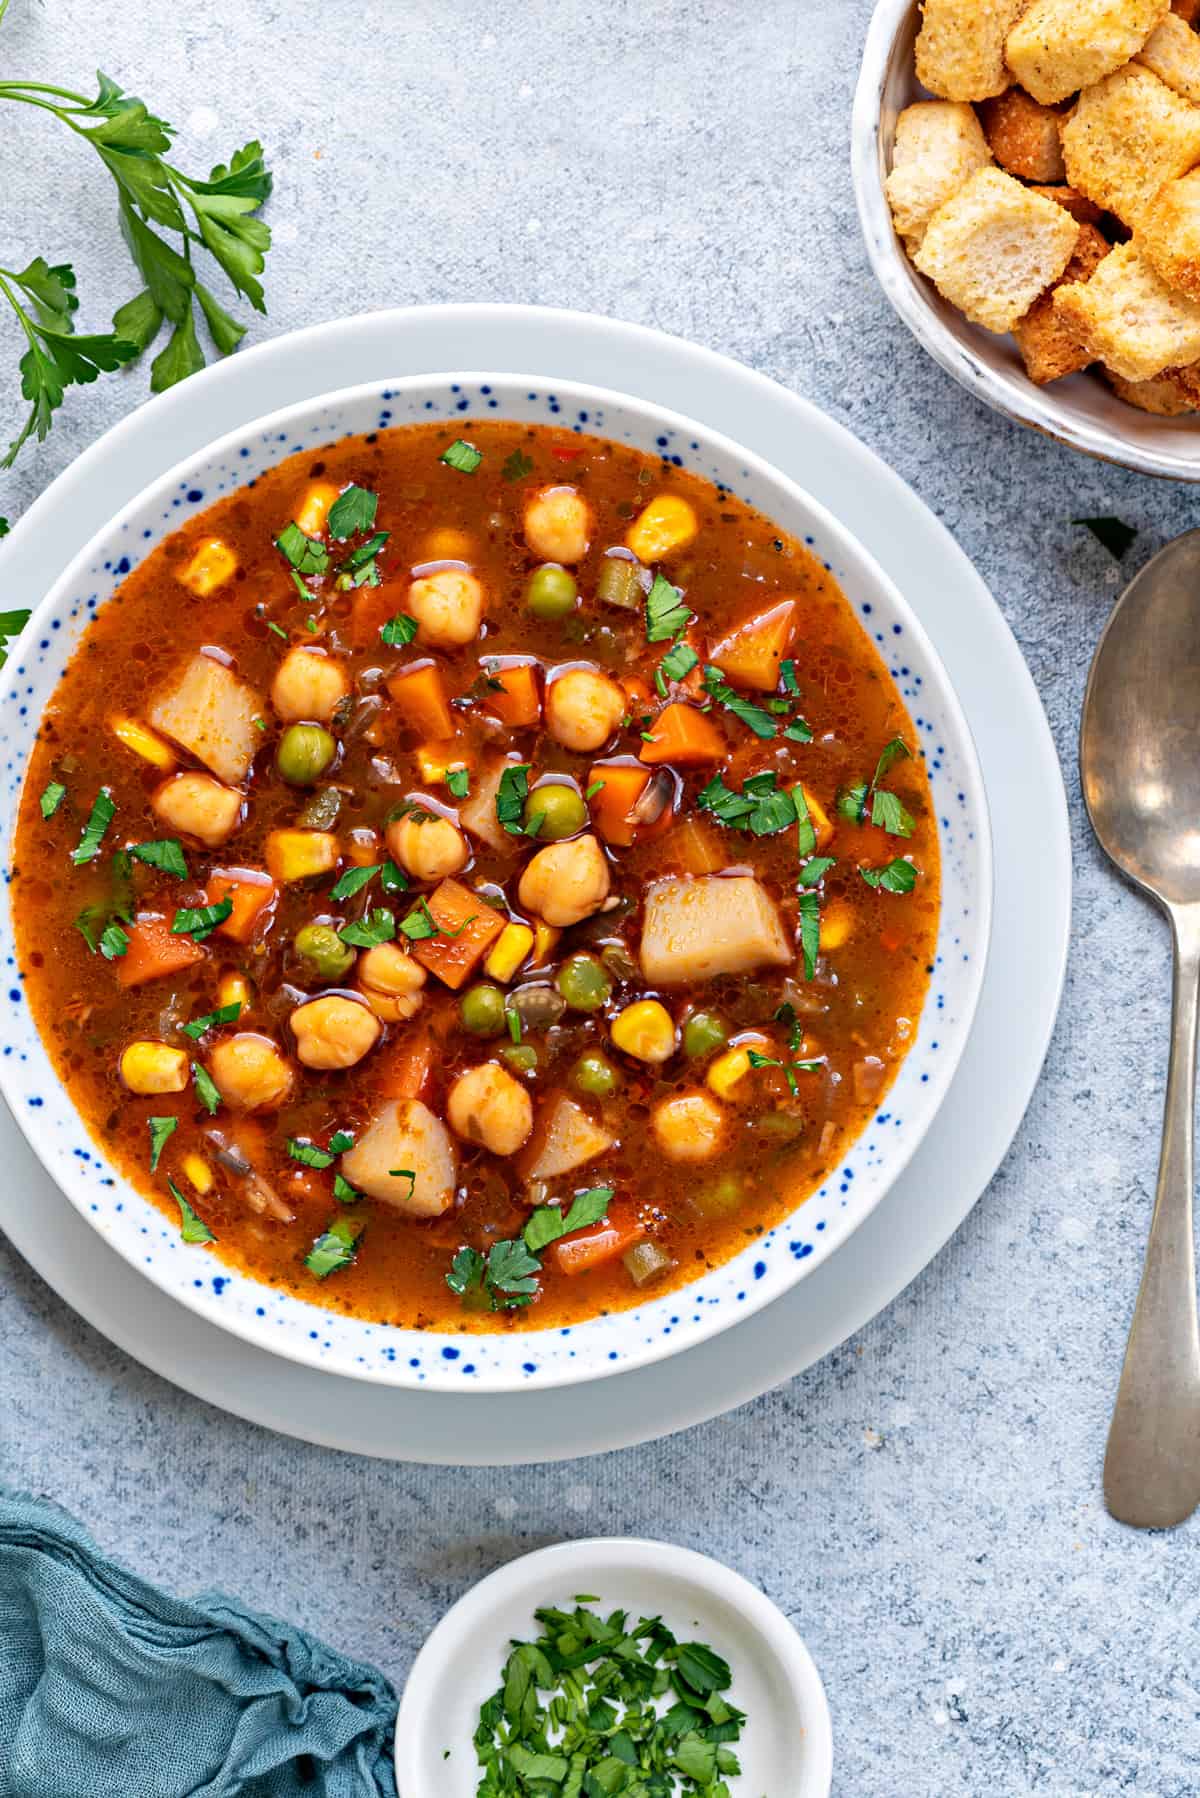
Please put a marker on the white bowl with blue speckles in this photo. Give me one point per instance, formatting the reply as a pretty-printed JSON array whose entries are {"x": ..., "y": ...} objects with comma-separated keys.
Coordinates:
[
  {"x": 530, "y": 1359},
  {"x": 1082, "y": 411}
]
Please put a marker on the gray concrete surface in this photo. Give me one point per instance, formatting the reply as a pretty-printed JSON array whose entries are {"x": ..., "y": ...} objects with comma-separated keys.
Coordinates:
[{"x": 925, "y": 1504}]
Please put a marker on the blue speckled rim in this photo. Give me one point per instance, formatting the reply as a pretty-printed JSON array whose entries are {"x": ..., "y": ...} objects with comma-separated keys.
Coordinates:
[{"x": 534, "y": 1359}]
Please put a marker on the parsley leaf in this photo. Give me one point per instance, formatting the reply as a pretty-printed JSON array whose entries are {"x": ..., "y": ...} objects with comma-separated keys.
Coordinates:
[
  {"x": 206, "y": 1088},
  {"x": 549, "y": 1222},
  {"x": 343, "y": 1192},
  {"x": 392, "y": 879},
  {"x": 787, "y": 669},
  {"x": 1115, "y": 535},
  {"x": 753, "y": 716},
  {"x": 462, "y": 455},
  {"x": 517, "y": 466},
  {"x": 11, "y": 625},
  {"x": 666, "y": 615},
  {"x": 351, "y": 512},
  {"x": 798, "y": 731},
  {"x": 228, "y": 1014},
  {"x": 512, "y": 1271},
  {"x": 340, "y": 1141},
  {"x": 52, "y": 797},
  {"x": 378, "y": 926},
  {"x": 334, "y": 1248},
  {"x": 888, "y": 813},
  {"x": 810, "y": 929},
  {"x": 399, "y": 631},
  {"x": 815, "y": 869},
  {"x": 199, "y": 921},
  {"x": 307, "y": 555},
  {"x": 191, "y": 1227},
  {"x": 308, "y": 1154},
  {"x": 359, "y": 569},
  {"x": 896, "y": 750},
  {"x": 458, "y": 780},
  {"x": 466, "y": 1271},
  {"x": 897, "y": 876},
  {"x": 114, "y": 941},
  {"x": 761, "y": 807},
  {"x": 166, "y": 854},
  {"x": 101, "y": 816},
  {"x": 852, "y": 802},
  {"x": 419, "y": 925},
  {"x": 160, "y": 1130},
  {"x": 679, "y": 661},
  {"x": 511, "y": 795},
  {"x": 353, "y": 881}
]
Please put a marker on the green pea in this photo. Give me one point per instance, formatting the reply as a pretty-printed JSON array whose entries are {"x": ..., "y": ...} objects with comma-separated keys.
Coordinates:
[
  {"x": 719, "y": 1197},
  {"x": 321, "y": 945},
  {"x": 550, "y": 592},
  {"x": 558, "y": 810},
  {"x": 304, "y": 753},
  {"x": 482, "y": 1010},
  {"x": 594, "y": 1075},
  {"x": 584, "y": 983},
  {"x": 521, "y": 1057},
  {"x": 703, "y": 1032}
]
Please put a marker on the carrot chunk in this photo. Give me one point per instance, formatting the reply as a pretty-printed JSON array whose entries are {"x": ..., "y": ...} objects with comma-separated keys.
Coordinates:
[
  {"x": 252, "y": 893},
  {"x": 420, "y": 693},
  {"x": 587, "y": 1250},
  {"x": 752, "y": 654},
  {"x": 694, "y": 848},
  {"x": 470, "y": 925},
  {"x": 623, "y": 785},
  {"x": 519, "y": 702},
  {"x": 683, "y": 736},
  {"x": 403, "y": 1072},
  {"x": 153, "y": 951}
]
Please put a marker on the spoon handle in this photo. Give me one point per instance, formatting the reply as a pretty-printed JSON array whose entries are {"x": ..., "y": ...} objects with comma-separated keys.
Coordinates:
[{"x": 1152, "y": 1463}]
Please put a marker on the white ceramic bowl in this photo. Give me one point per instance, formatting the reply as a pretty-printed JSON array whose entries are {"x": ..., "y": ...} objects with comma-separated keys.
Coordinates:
[
  {"x": 786, "y": 1747},
  {"x": 662, "y": 1326},
  {"x": 1081, "y": 411}
]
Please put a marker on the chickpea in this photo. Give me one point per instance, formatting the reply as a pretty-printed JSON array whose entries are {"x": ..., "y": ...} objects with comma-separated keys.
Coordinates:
[
  {"x": 583, "y": 709},
  {"x": 250, "y": 1071},
  {"x": 487, "y": 1106},
  {"x": 565, "y": 882},
  {"x": 196, "y": 805},
  {"x": 391, "y": 982},
  {"x": 308, "y": 685},
  {"x": 426, "y": 846},
  {"x": 334, "y": 1031},
  {"x": 689, "y": 1127},
  {"x": 558, "y": 525},
  {"x": 448, "y": 607}
]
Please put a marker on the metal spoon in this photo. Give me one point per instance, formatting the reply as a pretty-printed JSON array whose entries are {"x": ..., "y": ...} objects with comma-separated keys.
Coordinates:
[{"x": 1139, "y": 755}]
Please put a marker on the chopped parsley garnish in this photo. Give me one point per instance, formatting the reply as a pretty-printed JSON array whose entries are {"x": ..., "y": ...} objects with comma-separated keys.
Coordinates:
[
  {"x": 228, "y": 1014},
  {"x": 392, "y": 879},
  {"x": 814, "y": 870},
  {"x": 679, "y": 661},
  {"x": 753, "y": 716},
  {"x": 399, "y": 631},
  {"x": 52, "y": 797},
  {"x": 279, "y": 632},
  {"x": 360, "y": 569},
  {"x": 101, "y": 816},
  {"x": 462, "y": 455},
  {"x": 11, "y": 625},
  {"x": 511, "y": 795},
  {"x": 787, "y": 670},
  {"x": 420, "y": 924},
  {"x": 852, "y": 802},
  {"x": 114, "y": 941},
  {"x": 306, "y": 555},
  {"x": 165, "y": 854},
  {"x": 458, "y": 780},
  {"x": 466, "y": 1271},
  {"x": 1115, "y": 535},
  {"x": 810, "y": 929},
  {"x": 666, "y": 615},
  {"x": 549, "y": 1222},
  {"x": 351, "y": 512},
  {"x": 95, "y": 919},
  {"x": 597, "y": 786},
  {"x": 896, "y": 876},
  {"x": 161, "y": 1129},
  {"x": 762, "y": 807},
  {"x": 334, "y": 1248},
  {"x": 518, "y": 466},
  {"x": 353, "y": 881},
  {"x": 888, "y": 813},
  {"x": 191, "y": 1227},
  {"x": 513, "y": 1020},
  {"x": 308, "y": 1154},
  {"x": 343, "y": 1192},
  {"x": 506, "y": 1278},
  {"x": 206, "y": 1088},
  {"x": 806, "y": 833},
  {"x": 378, "y": 926},
  {"x": 798, "y": 731},
  {"x": 340, "y": 1141},
  {"x": 895, "y": 750},
  {"x": 199, "y": 921}
]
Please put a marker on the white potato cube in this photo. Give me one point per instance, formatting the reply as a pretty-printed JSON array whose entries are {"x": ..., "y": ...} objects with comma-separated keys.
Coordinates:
[{"x": 210, "y": 712}]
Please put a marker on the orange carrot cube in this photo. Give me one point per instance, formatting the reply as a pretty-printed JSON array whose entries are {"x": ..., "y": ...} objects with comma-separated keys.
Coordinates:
[
  {"x": 154, "y": 951},
  {"x": 684, "y": 737},
  {"x": 420, "y": 694},
  {"x": 467, "y": 925},
  {"x": 252, "y": 893}
]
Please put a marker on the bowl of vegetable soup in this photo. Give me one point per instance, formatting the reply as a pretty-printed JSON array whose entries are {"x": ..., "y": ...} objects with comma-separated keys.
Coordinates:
[{"x": 499, "y": 882}]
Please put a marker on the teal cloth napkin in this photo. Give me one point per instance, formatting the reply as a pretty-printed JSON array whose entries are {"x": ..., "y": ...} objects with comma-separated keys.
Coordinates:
[{"x": 112, "y": 1689}]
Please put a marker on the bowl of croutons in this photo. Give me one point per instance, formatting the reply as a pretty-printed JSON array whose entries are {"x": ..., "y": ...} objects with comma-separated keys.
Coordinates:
[{"x": 1028, "y": 180}]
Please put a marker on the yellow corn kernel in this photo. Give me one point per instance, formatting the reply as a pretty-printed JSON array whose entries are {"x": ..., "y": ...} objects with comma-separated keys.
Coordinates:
[
  {"x": 436, "y": 760},
  {"x": 667, "y": 523},
  {"x": 144, "y": 742},
  {"x": 234, "y": 989},
  {"x": 545, "y": 941},
  {"x": 314, "y": 508},
  {"x": 819, "y": 817},
  {"x": 154, "y": 1068},
  {"x": 837, "y": 924},
  {"x": 509, "y": 951},
  {"x": 448, "y": 545},
  {"x": 645, "y": 1029},
  {"x": 209, "y": 568},
  {"x": 299, "y": 854},
  {"x": 727, "y": 1070},
  {"x": 199, "y": 1173}
]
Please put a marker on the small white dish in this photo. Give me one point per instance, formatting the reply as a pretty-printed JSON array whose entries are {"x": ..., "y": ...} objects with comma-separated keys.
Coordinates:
[
  {"x": 1081, "y": 411},
  {"x": 786, "y": 1750}
]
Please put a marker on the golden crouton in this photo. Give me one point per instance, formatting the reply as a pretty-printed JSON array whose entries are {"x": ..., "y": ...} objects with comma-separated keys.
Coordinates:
[
  {"x": 960, "y": 47},
  {"x": 1187, "y": 10},
  {"x": 1169, "y": 235},
  {"x": 1166, "y": 395},
  {"x": 1023, "y": 136},
  {"x": 1186, "y": 378},
  {"x": 1059, "y": 46},
  {"x": 994, "y": 247},
  {"x": 1128, "y": 135},
  {"x": 939, "y": 145},
  {"x": 1129, "y": 319},
  {"x": 1048, "y": 346},
  {"x": 1077, "y": 204},
  {"x": 1172, "y": 52}
]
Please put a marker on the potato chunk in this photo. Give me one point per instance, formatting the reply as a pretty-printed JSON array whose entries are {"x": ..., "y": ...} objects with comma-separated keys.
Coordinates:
[
  {"x": 696, "y": 929},
  {"x": 406, "y": 1158},
  {"x": 211, "y": 713},
  {"x": 564, "y": 1137}
]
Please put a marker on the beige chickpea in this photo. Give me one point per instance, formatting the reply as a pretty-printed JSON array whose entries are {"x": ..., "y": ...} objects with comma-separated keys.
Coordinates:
[
  {"x": 250, "y": 1071},
  {"x": 196, "y": 805},
  {"x": 448, "y": 607},
  {"x": 565, "y": 882},
  {"x": 426, "y": 846},
  {"x": 487, "y": 1106},
  {"x": 334, "y": 1031},
  {"x": 308, "y": 685},
  {"x": 689, "y": 1127},
  {"x": 583, "y": 709},
  {"x": 558, "y": 525},
  {"x": 390, "y": 982}
]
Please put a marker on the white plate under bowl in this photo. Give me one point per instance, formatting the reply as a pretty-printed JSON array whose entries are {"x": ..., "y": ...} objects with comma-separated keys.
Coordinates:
[
  {"x": 1082, "y": 411},
  {"x": 786, "y": 1749},
  {"x": 1022, "y": 986},
  {"x": 277, "y": 1320}
]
